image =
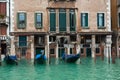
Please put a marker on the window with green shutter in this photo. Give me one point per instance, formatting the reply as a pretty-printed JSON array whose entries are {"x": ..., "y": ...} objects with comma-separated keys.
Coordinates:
[
  {"x": 84, "y": 20},
  {"x": 72, "y": 19},
  {"x": 22, "y": 41},
  {"x": 100, "y": 20},
  {"x": 52, "y": 20},
  {"x": 38, "y": 20},
  {"x": 62, "y": 20},
  {"x": 21, "y": 20}
]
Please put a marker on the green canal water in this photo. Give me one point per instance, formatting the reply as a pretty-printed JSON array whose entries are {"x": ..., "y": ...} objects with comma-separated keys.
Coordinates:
[{"x": 58, "y": 70}]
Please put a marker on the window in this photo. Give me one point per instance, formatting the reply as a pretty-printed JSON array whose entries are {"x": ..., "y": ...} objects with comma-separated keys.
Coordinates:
[
  {"x": 21, "y": 22},
  {"x": 100, "y": 20},
  {"x": 22, "y": 41},
  {"x": 62, "y": 19},
  {"x": 84, "y": 20},
  {"x": 119, "y": 19},
  {"x": 73, "y": 38},
  {"x": 71, "y": 50},
  {"x": 38, "y": 20},
  {"x": 3, "y": 8},
  {"x": 52, "y": 20},
  {"x": 72, "y": 20},
  {"x": 52, "y": 38},
  {"x": 97, "y": 50},
  {"x": 52, "y": 51}
]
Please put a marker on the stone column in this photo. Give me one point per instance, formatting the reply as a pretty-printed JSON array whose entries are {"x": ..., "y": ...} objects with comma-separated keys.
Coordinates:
[
  {"x": 32, "y": 47},
  {"x": 47, "y": 46},
  {"x": 67, "y": 25},
  {"x": 13, "y": 42},
  {"x": 56, "y": 50},
  {"x": 108, "y": 46},
  {"x": 117, "y": 44},
  {"x": 93, "y": 46},
  {"x": 68, "y": 49},
  {"x": 57, "y": 20},
  {"x": 78, "y": 44}
]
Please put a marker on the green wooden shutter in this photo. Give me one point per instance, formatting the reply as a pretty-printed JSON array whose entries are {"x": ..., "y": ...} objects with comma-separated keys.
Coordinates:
[
  {"x": 62, "y": 21},
  {"x": 81, "y": 19},
  {"x": 18, "y": 20},
  {"x": 98, "y": 19},
  {"x": 41, "y": 20},
  {"x": 103, "y": 20},
  {"x": 86, "y": 19},
  {"x": 35, "y": 19},
  {"x": 52, "y": 21},
  {"x": 22, "y": 41}
]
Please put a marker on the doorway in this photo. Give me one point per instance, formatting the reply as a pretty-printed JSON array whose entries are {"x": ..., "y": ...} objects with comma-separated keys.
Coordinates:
[
  {"x": 3, "y": 48},
  {"x": 88, "y": 52},
  {"x": 61, "y": 51},
  {"x": 39, "y": 50}
]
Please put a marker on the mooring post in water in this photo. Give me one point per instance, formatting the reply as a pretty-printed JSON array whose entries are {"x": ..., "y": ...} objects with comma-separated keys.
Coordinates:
[
  {"x": 0, "y": 53},
  {"x": 0, "y": 58},
  {"x": 108, "y": 54},
  {"x": 113, "y": 55}
]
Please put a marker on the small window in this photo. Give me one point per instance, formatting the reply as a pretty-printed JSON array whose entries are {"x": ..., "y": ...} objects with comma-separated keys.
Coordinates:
[
  {"x": 84, "y": 20},
  {"x": 52, "y": 38},
  {"x": 21, "y": 20},
  {"x": 73, "y": 38},
  {"x": 52, "y": 51},
  {"x": 82, "y": 50},
  {"x": 22, "y": 41},
  {"x": 72, "y": 17},
  {"x": 100, "y": 20},
  {"x": 97, "y": 50},
  {"x": 38, "y": 20}
]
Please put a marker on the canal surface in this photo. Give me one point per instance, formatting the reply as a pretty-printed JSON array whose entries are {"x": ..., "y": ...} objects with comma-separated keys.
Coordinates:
[{"x": 58, "y": 70}]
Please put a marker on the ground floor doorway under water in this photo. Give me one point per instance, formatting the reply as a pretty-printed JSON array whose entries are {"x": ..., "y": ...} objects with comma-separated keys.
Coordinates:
[
  {"x": 88, "y": 52},
  {"x": 61, "y": 51},
  {"x": 39, "y": 50}
]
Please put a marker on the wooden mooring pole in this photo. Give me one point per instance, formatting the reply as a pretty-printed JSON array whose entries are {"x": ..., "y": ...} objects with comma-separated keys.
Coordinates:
[{"x": 0, "y": 54}]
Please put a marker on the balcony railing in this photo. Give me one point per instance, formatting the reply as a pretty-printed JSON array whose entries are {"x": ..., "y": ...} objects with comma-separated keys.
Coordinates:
[{"x": 4, "y": 20}]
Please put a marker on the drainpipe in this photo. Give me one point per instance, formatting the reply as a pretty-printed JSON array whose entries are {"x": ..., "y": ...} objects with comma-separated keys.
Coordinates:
[{"x": 9, "y": 16}]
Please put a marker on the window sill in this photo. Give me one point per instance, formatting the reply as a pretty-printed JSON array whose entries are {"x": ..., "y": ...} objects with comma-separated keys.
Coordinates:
[
  {"x": 101, "y": 27},
  {"x": 38, "y": 27},
  {"x": 85, "y": 27}
]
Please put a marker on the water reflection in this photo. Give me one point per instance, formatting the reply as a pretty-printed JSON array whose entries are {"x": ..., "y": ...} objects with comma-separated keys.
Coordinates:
[{"x": 59, "y": 70}]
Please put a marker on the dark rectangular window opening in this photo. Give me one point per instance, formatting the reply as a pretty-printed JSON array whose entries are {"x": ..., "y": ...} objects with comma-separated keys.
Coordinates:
[
  {"x": 52, "y": 38},
  {"x": 52, "y": 51},
  {"x": 73, "y": 38}
]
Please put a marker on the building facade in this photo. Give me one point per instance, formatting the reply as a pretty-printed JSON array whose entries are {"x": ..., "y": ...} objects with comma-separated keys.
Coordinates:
[
  {"x": 115, "y": 11},
  {"x": 61, "y": 26},
  {"x": 4, "y": 26},
  {"x": 118, "y": 28}
]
